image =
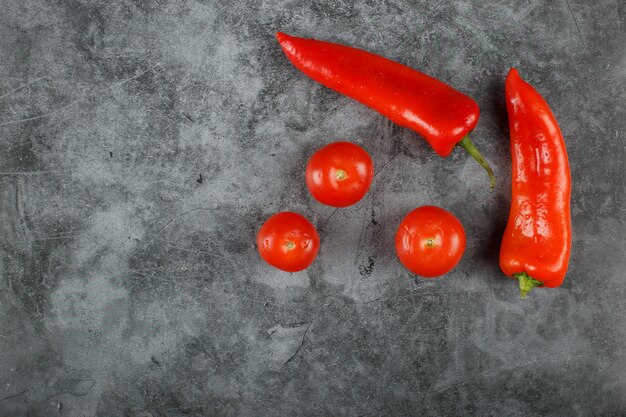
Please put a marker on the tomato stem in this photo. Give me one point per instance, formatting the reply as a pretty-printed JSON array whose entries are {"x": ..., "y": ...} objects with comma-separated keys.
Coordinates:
[
  {"x": 467, "y": 144},
  {"x": 526, "y": 283}
]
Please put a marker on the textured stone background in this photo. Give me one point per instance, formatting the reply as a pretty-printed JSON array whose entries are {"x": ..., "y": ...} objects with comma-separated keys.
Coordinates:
[{"x": 143, "y": 143}]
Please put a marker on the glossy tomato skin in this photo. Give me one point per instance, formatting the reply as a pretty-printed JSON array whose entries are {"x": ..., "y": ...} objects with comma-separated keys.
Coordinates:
[
  {"x": 430, "y": 241},
  {"x": 288, "y": 241},
  {"x": 339, "y": 174}
]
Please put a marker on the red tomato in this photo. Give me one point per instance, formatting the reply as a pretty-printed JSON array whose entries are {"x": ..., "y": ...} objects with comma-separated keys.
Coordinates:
[
  {"x": 288, "y": 241},
  {"x": 339, "y": 174},
  {"x": 430, "y": 241}
]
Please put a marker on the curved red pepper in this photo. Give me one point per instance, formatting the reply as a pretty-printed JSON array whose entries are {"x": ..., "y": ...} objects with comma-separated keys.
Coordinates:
[
  {"x": 537, "y": 240},
  {"x": 439, "y": 113}
]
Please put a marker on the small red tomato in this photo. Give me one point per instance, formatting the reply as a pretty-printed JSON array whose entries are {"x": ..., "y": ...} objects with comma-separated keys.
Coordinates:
[
  {"x": 339, "y": 174},
  {"x": 288, "y": 241},
  {"x": 430, "y": 241}
]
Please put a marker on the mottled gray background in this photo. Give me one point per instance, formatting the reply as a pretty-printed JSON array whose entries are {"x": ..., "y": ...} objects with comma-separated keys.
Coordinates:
[{"x": 142, "y": 144}]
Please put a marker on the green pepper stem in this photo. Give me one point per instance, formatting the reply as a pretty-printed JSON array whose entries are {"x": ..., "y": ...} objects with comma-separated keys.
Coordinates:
[
  {"x": 526, "y": 283},
  {"x": 467, "y": 144}
]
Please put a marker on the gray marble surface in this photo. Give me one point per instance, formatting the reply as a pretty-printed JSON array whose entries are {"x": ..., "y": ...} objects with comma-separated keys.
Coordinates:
[{"x": 142, "y": 144}]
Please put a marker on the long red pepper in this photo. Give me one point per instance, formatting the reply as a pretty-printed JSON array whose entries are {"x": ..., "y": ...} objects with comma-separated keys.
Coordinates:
[
  {"x": 438, "y": 112},
  {"x": 537, "y": 240}
]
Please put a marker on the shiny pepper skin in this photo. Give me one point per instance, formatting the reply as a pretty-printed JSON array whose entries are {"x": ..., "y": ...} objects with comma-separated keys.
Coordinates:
[
  {"x": 438, "y": 112},
  {"x": 537, "y": 241}
]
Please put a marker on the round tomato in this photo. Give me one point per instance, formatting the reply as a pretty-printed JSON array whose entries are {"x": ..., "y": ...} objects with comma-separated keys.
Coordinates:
[
  {"x": 339, "y": 174},
  {"x": 430, "y": 241},
  {"x": 288, "y": 241}
]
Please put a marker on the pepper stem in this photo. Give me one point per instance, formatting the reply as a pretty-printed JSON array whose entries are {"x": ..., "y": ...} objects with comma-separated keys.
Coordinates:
[
  {"x": 526, "y": 283},
  {"x": 467, "y": 144}
]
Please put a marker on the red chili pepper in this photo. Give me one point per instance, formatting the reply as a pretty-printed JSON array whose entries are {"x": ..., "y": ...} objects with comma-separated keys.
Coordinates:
[
  {"x": 438, "y": 112},
  {"x": 538, "y": 238}
]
